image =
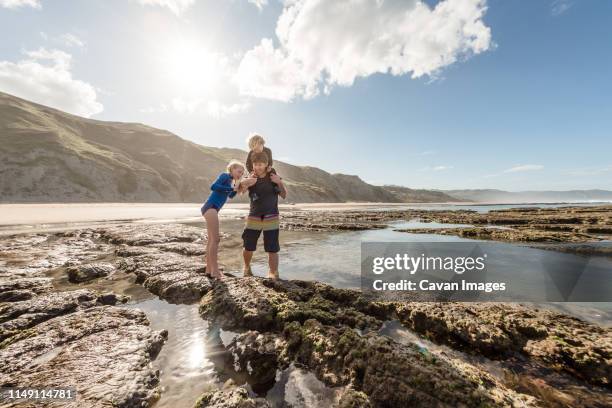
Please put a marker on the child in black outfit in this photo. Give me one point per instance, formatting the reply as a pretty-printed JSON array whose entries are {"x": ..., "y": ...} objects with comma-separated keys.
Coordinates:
[{"x": 256, "y": 144}]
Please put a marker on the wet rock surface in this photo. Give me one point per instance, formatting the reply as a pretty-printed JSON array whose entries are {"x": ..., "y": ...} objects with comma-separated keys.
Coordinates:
[
  {"x": 527, "y": 224},
  {"x": 12, "y": 290},
  {"x": 333, "y": 333},
  {"x": 256, "y": 304},
  {"x": 87, "y": 272},
  {"x": 552, "y": 225},
  {"x": 75, "y": 339},
  {"x": 166, "y": 259},
  {"x": 506, "y": 234},
  {"x": 350, "y": 220},
  {"x": 501, "y": 330},
  {"x": 256, "y": 355},
  {"x": 20, "y": 315},
  {"x": 237, "y": 397},
  {"x": 175, "y": 278},
  {"x": 152, "y": 234}
]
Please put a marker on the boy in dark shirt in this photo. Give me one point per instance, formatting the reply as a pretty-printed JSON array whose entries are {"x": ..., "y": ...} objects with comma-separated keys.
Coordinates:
[{"x": 264, "y": 189}]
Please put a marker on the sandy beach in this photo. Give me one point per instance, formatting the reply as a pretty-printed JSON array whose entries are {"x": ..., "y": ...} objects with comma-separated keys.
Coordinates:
[{"x": 16, "y": 218}]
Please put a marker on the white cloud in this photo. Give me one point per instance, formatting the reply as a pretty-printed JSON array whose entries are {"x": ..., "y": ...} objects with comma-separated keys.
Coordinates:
[
  {"x": 189, "y": 106},
  {"x": 436, "y": 168},
  {"x": 186, "y": 106},
  {"x": 66, "y": 40},
  {"x": 323, "y": 44},
  {"x": 154, "y": 109},
  {"x": 260, "y": 4},
  {"x": 559, "y": 7},
  {"x": 71, "y": 40},
  {"x": 524, "y": 167},
  {"x": 44, "y": 76},
  {"x": 13, "y": 4},
  {"x": 176, "y": 6},
  {"x": 218, "y": 110}
]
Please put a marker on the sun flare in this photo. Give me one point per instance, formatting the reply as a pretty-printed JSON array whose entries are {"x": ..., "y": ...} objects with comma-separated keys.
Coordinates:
[{"x": 190, "y": 66}]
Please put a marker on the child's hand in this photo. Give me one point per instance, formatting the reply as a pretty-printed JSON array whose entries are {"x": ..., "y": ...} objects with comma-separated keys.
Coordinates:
[
  {"x": 248, "y": 182},
  {"x": 276, "y": 179},
  {"x": 269, "y": 169}
]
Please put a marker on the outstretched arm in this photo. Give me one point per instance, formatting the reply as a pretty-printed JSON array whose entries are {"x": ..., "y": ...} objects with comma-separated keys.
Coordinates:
[
  {"x": 246, "y": 183},
  {"x": 221, "y": 185}
]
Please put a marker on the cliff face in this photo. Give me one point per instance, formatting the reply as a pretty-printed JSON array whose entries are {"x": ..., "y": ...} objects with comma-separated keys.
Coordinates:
[{"x": 50, "y": 156}]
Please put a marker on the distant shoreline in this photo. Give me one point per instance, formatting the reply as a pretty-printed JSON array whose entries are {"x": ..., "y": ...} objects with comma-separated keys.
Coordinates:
[{"x": 33, "y": 217}]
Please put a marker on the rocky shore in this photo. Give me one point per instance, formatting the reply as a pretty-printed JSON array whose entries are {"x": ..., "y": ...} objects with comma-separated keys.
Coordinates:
[
  {"x": 561, "y": 228},
  {"x": 567, "y": 229},
  {"x": 58, "y": 328}
]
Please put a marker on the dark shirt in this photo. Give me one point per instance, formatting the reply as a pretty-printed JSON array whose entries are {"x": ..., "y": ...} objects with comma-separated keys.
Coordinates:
[
  {"x": 249, "y": 162},
  {"x": 264, "y": 197}
]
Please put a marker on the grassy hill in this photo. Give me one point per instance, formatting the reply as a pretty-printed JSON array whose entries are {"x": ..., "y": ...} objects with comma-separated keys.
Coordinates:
[{"x": 51, "y": 156}]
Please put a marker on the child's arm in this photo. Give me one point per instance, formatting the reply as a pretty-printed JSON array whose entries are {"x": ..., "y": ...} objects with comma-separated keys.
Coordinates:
[
  {"x": 276, "y": 179},
  {"x": 247, "y": 182},
  {"x": 220, "y": 185},
  {"x": 249, "y": 163},
  {"x": 236, "y": 187}
]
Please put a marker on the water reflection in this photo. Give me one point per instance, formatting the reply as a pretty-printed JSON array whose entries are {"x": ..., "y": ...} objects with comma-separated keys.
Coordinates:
[{"x": 186, "y": 367}]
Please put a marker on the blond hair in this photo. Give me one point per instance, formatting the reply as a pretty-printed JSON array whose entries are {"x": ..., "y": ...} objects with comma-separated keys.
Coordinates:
[
  {"x": 254, "y": 139},
  {"x": 233, "y": 164}
]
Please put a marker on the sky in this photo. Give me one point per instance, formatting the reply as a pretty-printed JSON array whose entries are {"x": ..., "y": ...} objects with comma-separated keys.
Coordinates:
[{"x": 450, "y": 94}]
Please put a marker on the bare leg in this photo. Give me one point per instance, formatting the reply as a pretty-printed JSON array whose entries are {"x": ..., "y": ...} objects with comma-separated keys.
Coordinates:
[
  {"x": 247, "y": 256},
  {"x": 207, "y": 251},
  {"x": 220, "y": 273},
  {"x": 273, "y": 265},
  {"x": 212, "y": 226}
]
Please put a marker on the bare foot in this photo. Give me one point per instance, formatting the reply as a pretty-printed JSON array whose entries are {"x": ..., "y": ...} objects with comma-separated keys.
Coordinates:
[
  {"x": 273, "y": 275},
  {"x": 247, "y": 272},
  {"x": 203, "y": 270}
]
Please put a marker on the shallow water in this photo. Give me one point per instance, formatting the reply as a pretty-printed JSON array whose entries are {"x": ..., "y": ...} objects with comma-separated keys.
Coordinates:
[
  {"x": 186, "y": 360},
  {"x": 193, "y": 361},
  {"x": 335, "y": 258}
]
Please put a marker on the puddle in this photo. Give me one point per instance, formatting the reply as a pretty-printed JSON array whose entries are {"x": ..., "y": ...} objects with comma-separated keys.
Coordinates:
[{"x": 186, "y": 361}]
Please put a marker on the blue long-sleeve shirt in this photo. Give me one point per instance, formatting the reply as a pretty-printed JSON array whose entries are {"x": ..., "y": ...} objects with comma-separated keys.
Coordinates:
[{"x": 221, "y": 190}]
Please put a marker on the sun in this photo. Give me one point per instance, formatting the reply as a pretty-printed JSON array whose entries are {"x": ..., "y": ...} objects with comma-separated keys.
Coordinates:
[{"x": 190, "y": 66}]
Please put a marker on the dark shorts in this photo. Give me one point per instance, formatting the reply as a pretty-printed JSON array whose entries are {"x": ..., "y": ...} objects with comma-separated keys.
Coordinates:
[
  {"x": 208, "y": 206},
  {"x": 251, "y": 236}
]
